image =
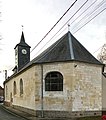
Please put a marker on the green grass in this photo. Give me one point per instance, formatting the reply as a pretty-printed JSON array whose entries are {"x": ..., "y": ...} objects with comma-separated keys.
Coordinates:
[{"x": 91, "y": 118}]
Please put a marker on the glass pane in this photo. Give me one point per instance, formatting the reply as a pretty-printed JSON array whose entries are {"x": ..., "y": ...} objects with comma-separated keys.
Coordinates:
[
  {"x": 54, "y": 87},
  {"x": 54, "y": 82},
  {"x": 53, "y": 74},
  {"x": 47, "y": 87}
]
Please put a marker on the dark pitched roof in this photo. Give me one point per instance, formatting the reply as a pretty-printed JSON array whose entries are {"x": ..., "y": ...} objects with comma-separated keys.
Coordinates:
[
  {"x": 22, "y": 41},
  {"x": 67, "y": 48}
]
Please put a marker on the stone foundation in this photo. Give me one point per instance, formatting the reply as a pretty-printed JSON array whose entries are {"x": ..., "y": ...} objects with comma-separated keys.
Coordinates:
[
  {"x": 27, "y": 110},
  {"x": 67, "y": 114},
  {"x": 104, "y": 111},
  {"x": 6, "y": 103},
  {"x": 57, "y": 114}
]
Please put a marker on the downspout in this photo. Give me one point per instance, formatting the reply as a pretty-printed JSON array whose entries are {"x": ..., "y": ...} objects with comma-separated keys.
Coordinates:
[
  {"x": 42, "y": 112},
  {"x": 4, "y": 93}
]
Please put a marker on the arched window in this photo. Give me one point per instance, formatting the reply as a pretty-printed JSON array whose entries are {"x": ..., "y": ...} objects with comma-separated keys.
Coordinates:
[
  {"x": 21, "y": 86},
  {"x": 14, "y": 88},
  {"x": 54, "y": 82}
]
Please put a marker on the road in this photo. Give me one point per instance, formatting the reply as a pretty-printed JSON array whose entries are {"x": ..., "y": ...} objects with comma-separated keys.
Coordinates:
[{"x": 7, "y": 115}]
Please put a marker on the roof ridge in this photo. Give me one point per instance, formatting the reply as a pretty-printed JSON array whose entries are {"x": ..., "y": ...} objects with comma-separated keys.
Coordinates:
[{"x": 70, "y": 46}]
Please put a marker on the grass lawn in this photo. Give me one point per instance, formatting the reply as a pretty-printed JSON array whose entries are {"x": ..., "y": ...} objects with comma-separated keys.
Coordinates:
[{"x": 91, "y": 118}]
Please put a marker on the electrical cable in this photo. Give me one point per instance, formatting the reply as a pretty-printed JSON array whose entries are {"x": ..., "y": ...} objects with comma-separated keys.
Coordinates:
[
  {"x": 89, "y": 20},
  {"x": 55, "y": 24},
  {"x": 78, "y": 29},
  {"x": 87, "y": 15},
  {"x": 49, "y": 41},
  {"x": 83, "y": 12},
  {"x": 70, "y": 18},
  {"x": 97, "y": 49}
]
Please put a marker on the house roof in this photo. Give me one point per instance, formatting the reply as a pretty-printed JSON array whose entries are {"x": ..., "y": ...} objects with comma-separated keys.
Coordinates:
[
  {"x": 22, "y": 41},
  {"x": 67, "y": 48}
]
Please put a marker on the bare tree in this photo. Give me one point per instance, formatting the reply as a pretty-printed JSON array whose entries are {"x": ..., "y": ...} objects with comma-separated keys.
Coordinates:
[{"x": 102, "y": 55}]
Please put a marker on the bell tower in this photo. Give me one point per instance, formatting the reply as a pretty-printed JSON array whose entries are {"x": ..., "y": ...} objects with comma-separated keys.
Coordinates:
[{"x": 22, "y": 53}]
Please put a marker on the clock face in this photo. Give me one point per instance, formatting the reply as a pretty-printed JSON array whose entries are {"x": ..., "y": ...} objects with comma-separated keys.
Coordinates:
[{"x": 24, "y": 51}]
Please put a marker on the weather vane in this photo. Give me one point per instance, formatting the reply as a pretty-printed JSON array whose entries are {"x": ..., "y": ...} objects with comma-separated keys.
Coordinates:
[
  {"x": 68, "y": 27},
  {"x": 22, "y": 27}
]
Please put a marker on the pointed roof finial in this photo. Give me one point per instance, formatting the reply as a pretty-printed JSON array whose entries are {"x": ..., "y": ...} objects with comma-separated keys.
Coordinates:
[
  {"x": 22, "y": 27},
  {"x": 68, "y": 27}
]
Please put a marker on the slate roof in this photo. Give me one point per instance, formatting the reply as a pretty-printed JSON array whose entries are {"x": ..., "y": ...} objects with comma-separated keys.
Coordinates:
[
  {"x": 67, "y": 48},
  {"x": 22, "y": 41}
]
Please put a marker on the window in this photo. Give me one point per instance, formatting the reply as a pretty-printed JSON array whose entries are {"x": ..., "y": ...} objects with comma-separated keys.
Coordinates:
[
  {"x": 54, "y": 82},
  {"x": 14, "y": 88},
  {"x": 21, "y": 86}
]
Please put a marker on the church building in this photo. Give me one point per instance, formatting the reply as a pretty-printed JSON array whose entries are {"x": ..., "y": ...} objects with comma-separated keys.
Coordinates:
[{"x": 65, "y": 80}]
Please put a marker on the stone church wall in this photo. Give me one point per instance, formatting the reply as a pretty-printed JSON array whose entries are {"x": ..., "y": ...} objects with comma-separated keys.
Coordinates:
[
  {"x": 27, "y": 99},
  {"x": 104, "y": 95},
  {"x": 56, "y": 100},
  {"x": 82, "y": 90},
  {"x": 87, "y": 87}
]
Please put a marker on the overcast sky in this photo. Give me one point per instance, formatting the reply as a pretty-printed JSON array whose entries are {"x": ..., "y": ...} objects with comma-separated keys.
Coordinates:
[{"x": 37, "y": 17}]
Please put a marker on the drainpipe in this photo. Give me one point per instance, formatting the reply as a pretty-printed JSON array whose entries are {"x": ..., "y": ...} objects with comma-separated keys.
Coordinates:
[{"x": 42, "y": 112}]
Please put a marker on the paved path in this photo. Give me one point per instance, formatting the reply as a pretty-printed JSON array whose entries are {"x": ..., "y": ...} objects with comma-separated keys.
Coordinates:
[{"x": 7, "y": 115}]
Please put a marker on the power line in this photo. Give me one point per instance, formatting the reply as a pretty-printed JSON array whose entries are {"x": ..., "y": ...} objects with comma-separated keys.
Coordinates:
[
  {"x": 74, "y": 20},
  {"x": 72, "y": 16},
  {"x": 83, "y": 12},
  {"x": 97, "y": 49},
  {"x": 89, "y": 14},
  {"x": 49, "y": 41},
  {"x": 69, "y": 19},
  {"x": 89, "y": 20},
  {"x": 55, "y": 24}
]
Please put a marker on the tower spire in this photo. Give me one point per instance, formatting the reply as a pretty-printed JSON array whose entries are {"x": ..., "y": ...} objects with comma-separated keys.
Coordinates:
[
  {"x": 22, "y": 40},
  {"x": 22, "y": 53}
]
